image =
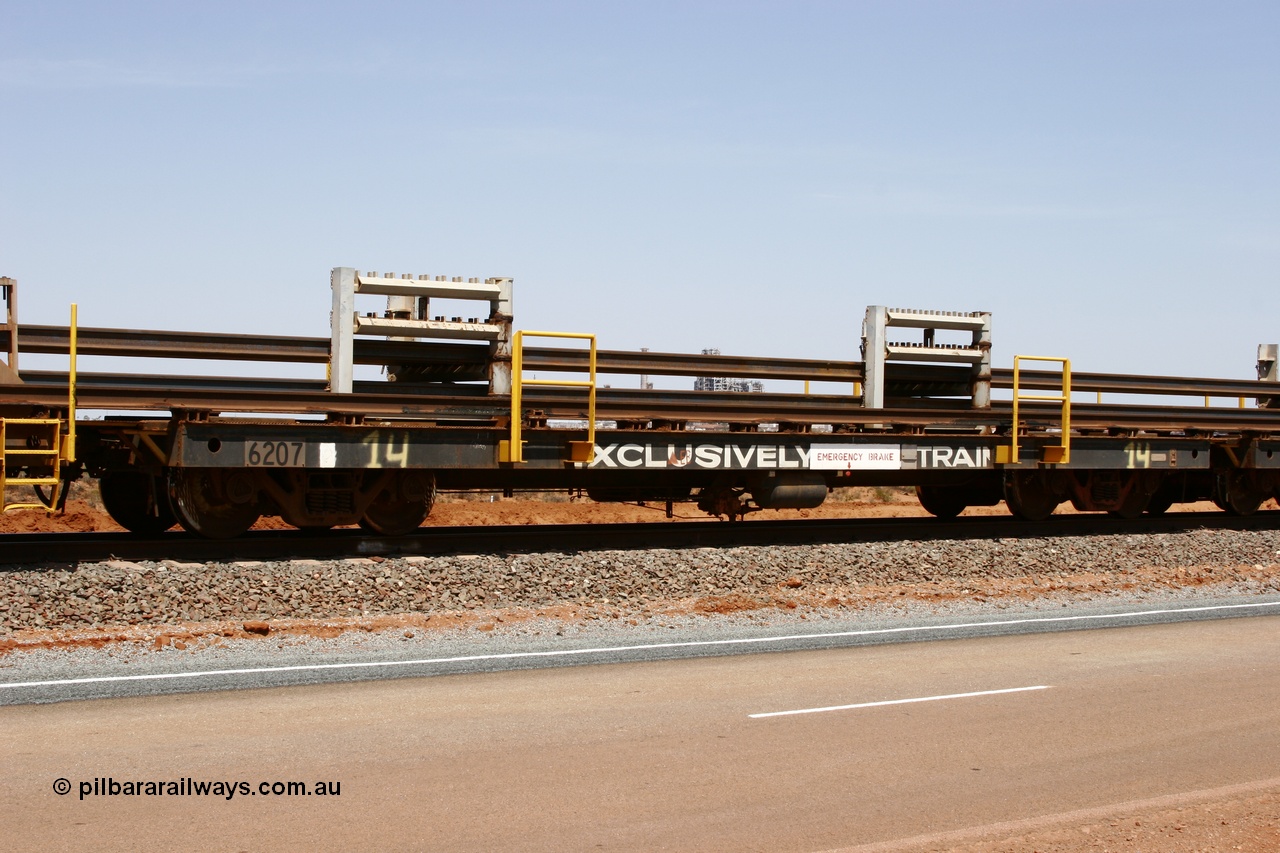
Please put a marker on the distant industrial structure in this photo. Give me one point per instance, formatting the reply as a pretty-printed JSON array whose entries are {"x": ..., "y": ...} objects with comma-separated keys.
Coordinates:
[{"x": 722, "y": 383}]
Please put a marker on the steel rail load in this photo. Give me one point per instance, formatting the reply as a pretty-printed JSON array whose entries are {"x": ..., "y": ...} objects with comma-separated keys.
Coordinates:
[{"x": 457, "y": 408}]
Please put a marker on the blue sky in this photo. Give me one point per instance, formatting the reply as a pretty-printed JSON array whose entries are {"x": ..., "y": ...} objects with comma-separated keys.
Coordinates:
[{"x": 1103, "y": 176}]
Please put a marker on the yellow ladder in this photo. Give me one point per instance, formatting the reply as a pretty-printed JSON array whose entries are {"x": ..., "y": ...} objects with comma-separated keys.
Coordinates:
[
  {"x": 53, "y": 454},
  {"x": 579, "y": 451},
  {"x": 61, "y": 449},
  {"x": 1053, "y": 454}
]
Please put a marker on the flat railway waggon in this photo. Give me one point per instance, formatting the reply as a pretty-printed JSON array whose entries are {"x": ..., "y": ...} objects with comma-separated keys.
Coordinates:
[{"x": 465, "y": 403}]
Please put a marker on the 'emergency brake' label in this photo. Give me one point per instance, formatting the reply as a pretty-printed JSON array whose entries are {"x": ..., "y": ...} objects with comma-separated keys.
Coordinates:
[{"x": 855, "y": 457}]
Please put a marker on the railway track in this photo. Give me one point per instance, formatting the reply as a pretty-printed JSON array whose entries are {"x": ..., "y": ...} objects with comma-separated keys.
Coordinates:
[{"x": 29, "y": 550}]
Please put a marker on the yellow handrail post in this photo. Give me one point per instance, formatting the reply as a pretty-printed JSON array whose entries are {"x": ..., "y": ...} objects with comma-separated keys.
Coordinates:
[
  {"x": 70, "y": 454},
  {"x": 1061, "y": 453},
  {"x": 1014, "y": 453},
  {"x": 580, "y": 451},
  {"x": 516, "y": 451}
]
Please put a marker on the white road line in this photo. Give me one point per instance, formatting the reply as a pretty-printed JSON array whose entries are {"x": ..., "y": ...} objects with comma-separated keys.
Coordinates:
[
  {"x": 604, "y": 650},
  {"x": 896, "y": 702}
]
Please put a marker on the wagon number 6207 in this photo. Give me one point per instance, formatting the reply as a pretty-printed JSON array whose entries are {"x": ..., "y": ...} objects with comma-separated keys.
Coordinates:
[{"x": 275, "y": 454}]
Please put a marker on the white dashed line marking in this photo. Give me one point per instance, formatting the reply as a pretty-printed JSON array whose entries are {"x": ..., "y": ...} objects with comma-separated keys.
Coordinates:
[{"x": 896, "y": 702}]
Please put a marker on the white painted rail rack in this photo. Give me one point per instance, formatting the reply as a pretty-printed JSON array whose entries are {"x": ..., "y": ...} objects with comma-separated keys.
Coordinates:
[
  {"x": 1269, "y": 371},
  {"x": 407, "y": 316},
  {"x": 877, "y": 348},
  {"x": 9, "y": 295}
]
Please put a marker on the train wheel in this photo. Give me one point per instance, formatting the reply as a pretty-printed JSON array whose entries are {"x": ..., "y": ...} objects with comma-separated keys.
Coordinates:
[
  {"x": 1237, "y": 493},
  {"x": 402, "y": 506},
  {"x": 137, "y": 501},
  {"x": 941, "y": 501},
  {"x": 201, "y": 503},
  {"x": 1029, "y": 495}
]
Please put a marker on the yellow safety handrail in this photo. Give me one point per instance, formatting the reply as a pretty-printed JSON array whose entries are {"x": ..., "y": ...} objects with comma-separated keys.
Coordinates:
[
  {"x": 579, "y": 451},
  {"x": 1053, "y": 454},
  {"x": 69, "y": 451},
  {"x": 62, "y": 446}
]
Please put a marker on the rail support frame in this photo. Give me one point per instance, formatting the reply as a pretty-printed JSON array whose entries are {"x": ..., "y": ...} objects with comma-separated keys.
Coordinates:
[
  {"x": 873, "y": 355},
  {"x": 877, "y": 349},
  {"x": 1269, "y": 371},
  {"x": 342, "y": 330},
  {"x": 408, "y": 300},
  {"x": 9, "y": 368}
]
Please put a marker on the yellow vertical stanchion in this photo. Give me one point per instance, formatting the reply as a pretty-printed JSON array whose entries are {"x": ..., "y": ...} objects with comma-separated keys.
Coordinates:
[
  {"x": 515, "y": 448},
  {"x": 70, "y": 454},
  {"x": 1060, "y": 454},
  {"x": 1014, "y": 453},
  {"x": 591, "y": 404},
  {"x": 516, "y": 451}
]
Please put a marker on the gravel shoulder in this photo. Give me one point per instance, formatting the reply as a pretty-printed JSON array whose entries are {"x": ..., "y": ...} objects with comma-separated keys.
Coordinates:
[{"x": 105, "y": 613}]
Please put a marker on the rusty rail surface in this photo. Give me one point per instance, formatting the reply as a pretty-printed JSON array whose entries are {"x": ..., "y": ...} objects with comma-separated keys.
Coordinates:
[
  {"x": 307, "y": 350},
  {"x": 457, "y": 400},
  {"x": 381, "y": 400}
]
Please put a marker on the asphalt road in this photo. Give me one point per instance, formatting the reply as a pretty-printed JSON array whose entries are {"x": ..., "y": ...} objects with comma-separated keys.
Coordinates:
[{"x": 692, "y": 753}]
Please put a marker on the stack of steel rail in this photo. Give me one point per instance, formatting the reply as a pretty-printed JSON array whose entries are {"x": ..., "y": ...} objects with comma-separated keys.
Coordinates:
[{"x": 928, "y": 395}]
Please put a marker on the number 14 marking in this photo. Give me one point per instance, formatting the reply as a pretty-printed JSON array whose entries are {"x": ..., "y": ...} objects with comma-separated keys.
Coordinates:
[
  {"x": 1139, "y": 453},
  {"x": 387, "y": 454}
]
